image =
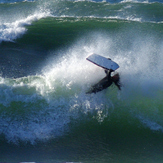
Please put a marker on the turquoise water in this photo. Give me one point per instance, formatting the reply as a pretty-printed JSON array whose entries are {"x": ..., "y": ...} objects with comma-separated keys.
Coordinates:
[{"x": 45, "y": 115}]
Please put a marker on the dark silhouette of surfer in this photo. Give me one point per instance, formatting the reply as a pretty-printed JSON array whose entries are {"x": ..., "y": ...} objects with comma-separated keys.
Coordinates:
[
  {"x": 112, "y": 79},
  {"x": 106, "y": 82}
]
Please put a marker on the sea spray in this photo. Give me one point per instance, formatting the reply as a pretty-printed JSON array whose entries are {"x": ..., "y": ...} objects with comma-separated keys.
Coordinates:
[{"x": 45, "y": 115}]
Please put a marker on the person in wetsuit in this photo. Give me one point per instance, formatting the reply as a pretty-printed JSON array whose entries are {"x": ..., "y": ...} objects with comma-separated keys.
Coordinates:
[
  {"x": 107, "y": 81},
  {"x": 113, "y": 79}
]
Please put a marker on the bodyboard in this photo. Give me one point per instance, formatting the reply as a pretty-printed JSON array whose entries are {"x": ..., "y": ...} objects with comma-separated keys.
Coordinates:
[{"x": 103, "y": 62}]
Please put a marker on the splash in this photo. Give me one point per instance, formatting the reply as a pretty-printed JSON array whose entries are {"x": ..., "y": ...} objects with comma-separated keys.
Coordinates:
[{"x": 14, "y": 30}]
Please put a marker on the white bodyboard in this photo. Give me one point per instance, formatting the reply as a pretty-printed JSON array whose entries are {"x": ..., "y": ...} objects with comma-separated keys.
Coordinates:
[{"x": 102, "y": 62}]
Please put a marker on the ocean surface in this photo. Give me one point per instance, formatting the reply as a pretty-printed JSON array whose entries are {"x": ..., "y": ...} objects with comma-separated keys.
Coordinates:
[{"x": 45, "y": 114}]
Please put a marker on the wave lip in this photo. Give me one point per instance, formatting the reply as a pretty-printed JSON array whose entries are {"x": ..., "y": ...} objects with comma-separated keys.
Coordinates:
[{"x": 14, "y": 30}]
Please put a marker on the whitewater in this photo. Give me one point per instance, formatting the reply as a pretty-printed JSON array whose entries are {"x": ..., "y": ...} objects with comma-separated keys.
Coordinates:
[{"x": 45, "y": 114}]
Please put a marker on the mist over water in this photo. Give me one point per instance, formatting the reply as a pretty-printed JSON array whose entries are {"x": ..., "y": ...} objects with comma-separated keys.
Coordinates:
[
  {"x": 45, "y": 74},
  {"x": 58, "y": 94}
]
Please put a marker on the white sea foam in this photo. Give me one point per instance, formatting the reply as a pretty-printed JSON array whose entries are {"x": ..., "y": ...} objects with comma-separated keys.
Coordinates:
[
  {"x": 12, "y": 30},
  {"x": 15, "y": 1},
  {"x": 150, "y": 123},
  {"x": 41, "y": 107}
]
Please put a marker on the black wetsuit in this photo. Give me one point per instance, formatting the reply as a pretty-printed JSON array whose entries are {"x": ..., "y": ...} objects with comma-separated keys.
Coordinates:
[
  {"x": 106, "y": 82},
  {"x": 102, "y": 84}
]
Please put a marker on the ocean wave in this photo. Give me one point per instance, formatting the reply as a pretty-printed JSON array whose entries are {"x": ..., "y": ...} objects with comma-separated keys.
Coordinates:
[
  {"x": 103, "y": 1},
  {"x": 14, "y": 30},
  {"x": 43, "y": 106},
  {"x": 14, "y": 1},
  {"x": 39, "y": 108},
  {"x": 128, "y": 11},
  {"x": 121, "y": 1}
]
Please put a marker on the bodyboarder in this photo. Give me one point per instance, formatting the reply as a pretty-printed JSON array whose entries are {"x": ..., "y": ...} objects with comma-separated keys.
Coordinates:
[{"x": 107, "y": 81}]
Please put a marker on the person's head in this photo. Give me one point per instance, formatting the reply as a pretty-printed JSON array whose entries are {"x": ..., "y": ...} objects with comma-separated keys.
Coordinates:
[
  {"x": 116, "y": 80},
  {"x": 115, "y": 77}
]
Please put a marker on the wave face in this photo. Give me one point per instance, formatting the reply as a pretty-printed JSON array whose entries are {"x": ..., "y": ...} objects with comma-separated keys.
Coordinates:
[{"x": 45, "y": 74}]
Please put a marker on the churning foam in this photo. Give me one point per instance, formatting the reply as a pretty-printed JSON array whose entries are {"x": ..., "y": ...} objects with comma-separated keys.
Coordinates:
[
  {"x": 9, "y": 31},
  {"x": 40, "y": 107},
  {"x": 140, "y": 71}
]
